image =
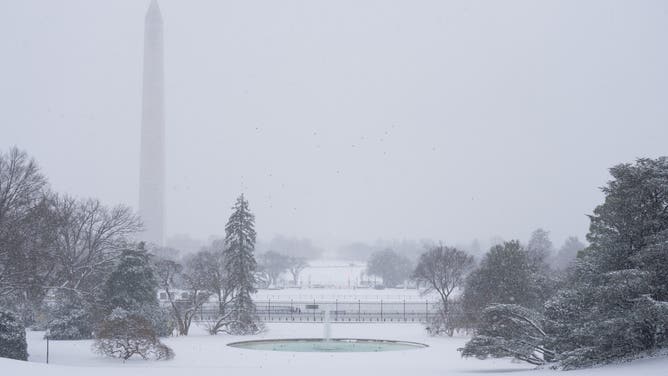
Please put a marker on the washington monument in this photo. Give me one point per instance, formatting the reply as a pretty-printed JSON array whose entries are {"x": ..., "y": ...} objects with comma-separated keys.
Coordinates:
[{"x": 152, "y": 165}]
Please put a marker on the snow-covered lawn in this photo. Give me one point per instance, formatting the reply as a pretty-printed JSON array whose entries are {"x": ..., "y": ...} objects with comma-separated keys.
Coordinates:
[{"x": 202, "y": 354}]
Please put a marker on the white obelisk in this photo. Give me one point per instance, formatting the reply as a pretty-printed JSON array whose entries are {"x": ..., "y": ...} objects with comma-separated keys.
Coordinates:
[{"x": 152, "y": 165}]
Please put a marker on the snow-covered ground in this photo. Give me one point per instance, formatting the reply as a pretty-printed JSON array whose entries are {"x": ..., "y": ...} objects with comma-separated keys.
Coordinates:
[{"x": 202, "y": 354}]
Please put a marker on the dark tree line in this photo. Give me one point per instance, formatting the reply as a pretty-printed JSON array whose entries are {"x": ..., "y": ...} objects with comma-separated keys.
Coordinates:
[
  {"x": 577, "y": 306},
  {"x": 54, "y": 244},
  {"x": 611, "y": 303},
  {"x": 72, "y": 266}
]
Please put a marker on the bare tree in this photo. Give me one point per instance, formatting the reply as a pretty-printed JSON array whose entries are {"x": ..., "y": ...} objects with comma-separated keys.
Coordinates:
[
  {"x": 443, "y": 269},
  {"x": 216, "y": 274},
  {"x": 273, "y": 264},
  {"x": 90, "y": 238},
  {"x": 21, "y": 185},
  {"x": 295, "y": 267},
  {"x": 53, "y": 242},
  {"x": 192, "y": 279},
  {"x": 26, "y": 224}
]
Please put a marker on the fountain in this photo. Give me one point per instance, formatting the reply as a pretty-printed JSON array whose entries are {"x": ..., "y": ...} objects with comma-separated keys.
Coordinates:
[
  {"x": 327, "y": 327},
  {"x": 326, "y": 343}
]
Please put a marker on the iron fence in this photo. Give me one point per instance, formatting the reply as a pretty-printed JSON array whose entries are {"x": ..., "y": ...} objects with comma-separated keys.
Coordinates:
[{"x": 289, "y": 311}]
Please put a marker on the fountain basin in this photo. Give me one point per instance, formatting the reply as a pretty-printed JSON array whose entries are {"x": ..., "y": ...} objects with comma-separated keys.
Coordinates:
[{"x": 331, "y": 345}]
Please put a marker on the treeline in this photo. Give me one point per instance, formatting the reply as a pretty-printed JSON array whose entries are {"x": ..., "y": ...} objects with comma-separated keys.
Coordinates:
[
  {"x": 52, "y": 243},
  {"x": 610, "y": 303},
  {"x": 396, "y": 268},
  {"x": 72, "y": 267}
]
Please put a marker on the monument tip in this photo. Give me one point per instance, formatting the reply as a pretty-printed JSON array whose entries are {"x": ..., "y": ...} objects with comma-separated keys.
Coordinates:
[{"x": 153, "y": 9}]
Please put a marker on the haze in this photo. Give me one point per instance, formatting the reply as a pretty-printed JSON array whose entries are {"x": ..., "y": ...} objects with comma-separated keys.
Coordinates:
[{"x": 346, "y": 121}]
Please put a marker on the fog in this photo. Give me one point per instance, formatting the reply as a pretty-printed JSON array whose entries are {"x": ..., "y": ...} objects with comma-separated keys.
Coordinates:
[{"x": 345, "y": 121}]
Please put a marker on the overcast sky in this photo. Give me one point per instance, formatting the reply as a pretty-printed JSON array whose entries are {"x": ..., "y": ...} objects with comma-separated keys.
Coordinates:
[{"x": 345, "y": 120}]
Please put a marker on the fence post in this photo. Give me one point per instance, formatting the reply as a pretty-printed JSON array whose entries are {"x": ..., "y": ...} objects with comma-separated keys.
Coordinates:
[
  {"x": 313, "y": 310},
  {"x": 336, "y": 310},
  {"x": 404, "y": 309},
  {"x": 359, "y": 310},
  {"x": 269, "y": 309},
  {"x": 381, "y": 310}
]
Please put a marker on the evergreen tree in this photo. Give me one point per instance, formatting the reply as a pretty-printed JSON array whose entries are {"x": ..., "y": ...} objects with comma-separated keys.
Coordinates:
[
  {"x": 510, "y": 330},
  {"x": 633, "y": 214},
  {"x": 12, "y": 337},
  {"x": 615, "y": 303},
  {"x": 133, "y": 287},
  {"x": 240, "y": 266},
  {"x": 132, "y": 284},
  {"x": 72, "y": 318},
  {"x": 506, "y": 275}
]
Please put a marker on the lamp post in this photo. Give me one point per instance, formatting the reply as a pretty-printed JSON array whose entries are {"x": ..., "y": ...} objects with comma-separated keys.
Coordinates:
[{"x": 47, "y": 335}]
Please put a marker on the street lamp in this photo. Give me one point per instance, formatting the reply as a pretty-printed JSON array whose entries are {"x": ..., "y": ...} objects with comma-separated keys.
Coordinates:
[{"x": 47, "y": 335}]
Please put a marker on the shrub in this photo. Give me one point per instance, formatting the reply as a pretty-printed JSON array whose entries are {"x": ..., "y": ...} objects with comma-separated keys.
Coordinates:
[{"x": 123, "y": 335}]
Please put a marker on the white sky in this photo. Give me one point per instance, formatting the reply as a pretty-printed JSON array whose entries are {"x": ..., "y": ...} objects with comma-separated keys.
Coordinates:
[{"x": 346, "y": 120}]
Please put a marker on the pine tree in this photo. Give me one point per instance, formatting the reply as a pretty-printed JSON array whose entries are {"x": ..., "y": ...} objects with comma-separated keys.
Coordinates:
[
  {"x": 133, "y": 287},
  {"x": 12, "y": 337},
  {"x": 615, "y": 303},
  {"x": 240, "y": 266},
  {"x": 132, "y": 284},
  {"x": 72, "y": 318},
  {"x": 505, "y": 276}
]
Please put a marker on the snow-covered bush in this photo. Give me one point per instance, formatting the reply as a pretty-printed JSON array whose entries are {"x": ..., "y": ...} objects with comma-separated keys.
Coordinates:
[
  {"x": 123, "y": 335},
  {"x": 12, "y": 337},
  {"x": 610, "y": 318},
  {"x": 510, "y": 330}
]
